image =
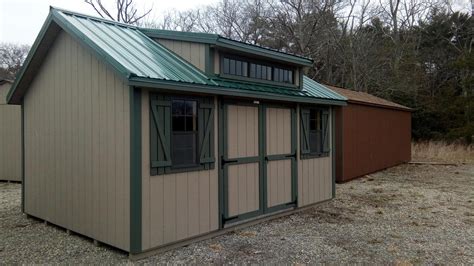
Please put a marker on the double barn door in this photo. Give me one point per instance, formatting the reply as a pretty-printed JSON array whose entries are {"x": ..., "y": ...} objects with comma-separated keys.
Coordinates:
[{"x": 258, "y": 160}]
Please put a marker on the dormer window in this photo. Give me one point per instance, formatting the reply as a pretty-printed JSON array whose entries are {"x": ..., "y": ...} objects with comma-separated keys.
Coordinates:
[{"x": 252, "y": 69}]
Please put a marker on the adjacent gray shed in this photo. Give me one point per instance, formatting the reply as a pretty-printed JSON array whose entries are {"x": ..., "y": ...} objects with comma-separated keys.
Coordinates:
[{"x": 10, "y": 136}]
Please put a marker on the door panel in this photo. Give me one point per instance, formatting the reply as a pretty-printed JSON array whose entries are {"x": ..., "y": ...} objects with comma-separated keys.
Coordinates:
[
  {"x": 280, "y": 156},
  {"x": 241, "y": 160},
  {"x": 278, "y": 129},
  {"x": 243, "y": 188},
  {"x": 258, "y": 160},
  {"x": 278, "y": 182},
  {"x": 242, "y": 128}
]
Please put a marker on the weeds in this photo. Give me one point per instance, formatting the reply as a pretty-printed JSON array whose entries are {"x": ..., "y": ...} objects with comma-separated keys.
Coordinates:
[{"x": 443, "y": 152}]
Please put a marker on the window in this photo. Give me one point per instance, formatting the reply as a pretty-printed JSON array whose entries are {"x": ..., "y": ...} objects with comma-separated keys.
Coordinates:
[
  {"x": 181, "y": 133},
  {"x": 255, "y": 70},
  {"x": 314, "y": 132},
  {"x": 234, "y": 67},
  {"x": 184, "y": 133}
]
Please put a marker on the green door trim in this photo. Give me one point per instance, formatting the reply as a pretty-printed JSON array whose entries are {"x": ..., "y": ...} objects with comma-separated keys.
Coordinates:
[{"x": 262, "y": 159}]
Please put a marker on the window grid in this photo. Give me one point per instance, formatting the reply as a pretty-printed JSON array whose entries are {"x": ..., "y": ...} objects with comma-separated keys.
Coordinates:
[{"x": 244, "y": 68}]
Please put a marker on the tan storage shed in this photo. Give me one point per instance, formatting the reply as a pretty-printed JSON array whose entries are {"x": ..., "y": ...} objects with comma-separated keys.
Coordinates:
[
  {"x": 10, "y": 136},
  {"x": 372, "y": 134},
  {"x": 146, "y": 148}
]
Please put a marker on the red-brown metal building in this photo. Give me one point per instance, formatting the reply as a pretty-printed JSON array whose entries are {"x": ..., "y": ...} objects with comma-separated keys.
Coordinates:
[{"x": 371, "y": 134}]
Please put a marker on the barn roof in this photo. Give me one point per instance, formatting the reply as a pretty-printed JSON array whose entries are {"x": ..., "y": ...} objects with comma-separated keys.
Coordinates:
[
  {"x": 142, "y": 61},
  {"x": 366, "y": 98}
]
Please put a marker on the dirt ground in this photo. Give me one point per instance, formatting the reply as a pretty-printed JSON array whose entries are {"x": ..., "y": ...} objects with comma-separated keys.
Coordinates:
[{"x": 409, "y": 214}]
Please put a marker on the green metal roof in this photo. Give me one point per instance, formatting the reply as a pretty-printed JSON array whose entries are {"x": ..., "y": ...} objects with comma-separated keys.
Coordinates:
[
  {"x": 131, "y": 49},
  {"x": 224, "y": 42},
  {"x": 314, "y": 89},
  {"x": 141, "y": 61}
]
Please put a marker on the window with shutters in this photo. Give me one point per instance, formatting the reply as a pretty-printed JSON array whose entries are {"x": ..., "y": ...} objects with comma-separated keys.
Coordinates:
[
  {"x": 314, "y": 132},
  {"x": 181, "y": 134}
]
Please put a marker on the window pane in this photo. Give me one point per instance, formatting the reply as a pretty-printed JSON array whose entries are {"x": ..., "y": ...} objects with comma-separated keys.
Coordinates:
[
  {"x": 178, "y": 123},
  {"x": 269, "y": 73},
  {"x": 244, "y": 69},
  {"x": 238, "y": 69},
  {"x": 190, "y": 123},
  {"x": 178, "y": 107},
  {"x": 290, "y": 72},
  {"x": 259, "y": 71},
  {"x": 232, "y": 67},
  {"x": 281, "y": 75},
  {"x": 184, "y": 149},
  {"x": 253, "y": 71},
  {"x": 312, "y": 124},
  {"x": 264, "y": 72},
  {"x": 315, "y": 141},
  {"x": 191, "y": 107},
  {"x": 226, "y": 66},
  {"x": 275, "y": 74}
]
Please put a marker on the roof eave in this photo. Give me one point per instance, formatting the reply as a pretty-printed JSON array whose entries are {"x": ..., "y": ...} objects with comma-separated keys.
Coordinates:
[
  {"x": 13, "y": 97},
  {"x": 219, "y": 90}
]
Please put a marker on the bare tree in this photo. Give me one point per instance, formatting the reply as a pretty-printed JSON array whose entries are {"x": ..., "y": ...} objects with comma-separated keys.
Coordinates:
[
  {"x": 12, "y": 57},
  {"x": 125, "y": 11}
]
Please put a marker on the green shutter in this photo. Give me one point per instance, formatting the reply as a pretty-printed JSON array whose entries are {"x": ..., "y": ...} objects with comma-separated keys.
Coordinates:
[
  {"x": 160, "y": 136},
  {"x": 206, "y": 133},
  {"x": 305, "y": 148},
  {"x": 325, "y": 128}
]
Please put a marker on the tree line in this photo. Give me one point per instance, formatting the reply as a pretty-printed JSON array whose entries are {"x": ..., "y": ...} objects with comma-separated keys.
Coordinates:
[{"x": 418, "y": 53}]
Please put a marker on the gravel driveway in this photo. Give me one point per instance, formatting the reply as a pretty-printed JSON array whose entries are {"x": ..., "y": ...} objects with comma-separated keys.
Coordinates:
[{"x": 406, "y": 214}]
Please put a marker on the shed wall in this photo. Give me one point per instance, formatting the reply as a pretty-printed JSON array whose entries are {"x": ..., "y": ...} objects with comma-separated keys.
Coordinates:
[
  {"x": 373, "y": 138},
  {"x": 176, "y": 206},
  {"x": 77, "y": 145},
  {"x": 194, "y": 53},
  {"x": 314, "y": 175},
  {"x": 4, "y": 88},
  {"x": 10, "y": 142}
]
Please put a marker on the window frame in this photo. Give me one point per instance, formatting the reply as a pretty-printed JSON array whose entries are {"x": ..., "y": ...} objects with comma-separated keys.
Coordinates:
[
  {"x": 195, "y": 133},
  {"x": 265, "y": 63},
  {"x": 321, "y": 153}
]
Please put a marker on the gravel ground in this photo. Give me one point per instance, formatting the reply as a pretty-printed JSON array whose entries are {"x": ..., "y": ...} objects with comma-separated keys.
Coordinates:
[{"x": 418, "y": 214}]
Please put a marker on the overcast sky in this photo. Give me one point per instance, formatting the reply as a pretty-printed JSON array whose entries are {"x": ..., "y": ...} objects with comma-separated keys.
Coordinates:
[{"x": 21, "y": 20}]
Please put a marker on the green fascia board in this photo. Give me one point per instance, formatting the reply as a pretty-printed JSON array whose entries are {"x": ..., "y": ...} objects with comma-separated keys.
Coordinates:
[
  {"x": 219, "y": 41},
  {"x": 207, "y": 38},
  {"x": 225, "y": 91},
  {"x": 262, "y": 51},
  {"x": 29, "y": 57}
]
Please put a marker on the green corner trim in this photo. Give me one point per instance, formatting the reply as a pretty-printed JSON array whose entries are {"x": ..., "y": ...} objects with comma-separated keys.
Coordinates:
[
  {"x": 333, "y": 150},
  {"x": 135, "y": 171},
  {"x": 22, "y": 157}
]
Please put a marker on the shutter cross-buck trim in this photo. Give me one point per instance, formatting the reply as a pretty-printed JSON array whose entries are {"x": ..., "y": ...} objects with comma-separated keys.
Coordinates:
[
  {"x": 161, "y": 110},
  {"x": 205, "y": 153}
]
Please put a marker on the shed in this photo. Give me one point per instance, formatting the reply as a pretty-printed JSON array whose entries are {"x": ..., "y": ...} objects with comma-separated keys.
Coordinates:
[
  {"x": 147, "y": 139},
  {"x": 10, "y": 136},
  {"x": 371, "y": 134}
]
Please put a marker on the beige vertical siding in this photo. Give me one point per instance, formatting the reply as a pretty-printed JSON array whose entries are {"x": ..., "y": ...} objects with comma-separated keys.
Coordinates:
[
  {"x": 195, "y": 53},
  {"x": 314, "y": 176},
  {"x": 10, "y": 142},
  {"x": 77, "y": 148},
  {"x": 278, "y": 130},
  {"x": 242, "y": 141},
  {"x": 176, "y": 206},
  {"x": 4, "y": 88}
]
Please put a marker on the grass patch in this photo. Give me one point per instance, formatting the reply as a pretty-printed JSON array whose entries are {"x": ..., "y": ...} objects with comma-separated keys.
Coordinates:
[{"x": 441, "y": 151}]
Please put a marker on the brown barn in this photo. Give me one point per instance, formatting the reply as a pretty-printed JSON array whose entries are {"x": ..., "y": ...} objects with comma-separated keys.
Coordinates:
[{"x": 371, "y": 133}]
